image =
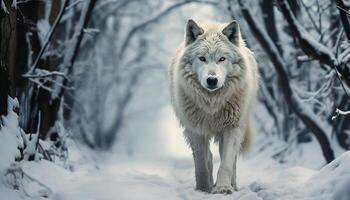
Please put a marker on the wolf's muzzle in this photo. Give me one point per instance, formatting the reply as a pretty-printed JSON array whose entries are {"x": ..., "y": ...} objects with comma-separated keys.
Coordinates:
[{"x": 212, "y": 83}]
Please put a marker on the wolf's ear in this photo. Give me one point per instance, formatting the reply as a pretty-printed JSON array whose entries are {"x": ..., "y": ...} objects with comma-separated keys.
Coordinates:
[
  {"x": 192, "y": 31},
  {"x": 231, "y": 31}
]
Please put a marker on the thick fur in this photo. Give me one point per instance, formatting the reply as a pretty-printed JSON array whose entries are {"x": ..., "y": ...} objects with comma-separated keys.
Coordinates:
[{"x": 222, "y": 113}]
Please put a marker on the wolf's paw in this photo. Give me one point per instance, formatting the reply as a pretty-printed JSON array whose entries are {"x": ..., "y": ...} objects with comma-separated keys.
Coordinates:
[{"x": 222, "y": 189}]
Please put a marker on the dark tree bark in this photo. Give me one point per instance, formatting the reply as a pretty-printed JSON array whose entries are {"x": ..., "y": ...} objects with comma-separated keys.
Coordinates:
[
  {"x": 268, "y": 14},
  {"x": 291, "y": 99},
  {"x": 28, "y": 39},
  {"x": 295, "y": 7},
  {"x": 49, "y": 107},
  {"x": 4, "y": 82},
  {"x": 4, "y": 90},
  {"x": 344, "y": 17},
  {"x": 8, "y": 50}
]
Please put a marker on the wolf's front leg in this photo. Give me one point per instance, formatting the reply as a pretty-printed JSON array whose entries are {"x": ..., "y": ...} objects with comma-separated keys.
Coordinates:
[
  {"x": 234, "y": 174},
  {"x": 229, "y": 145},
  {"x": 202, "y": 160}
]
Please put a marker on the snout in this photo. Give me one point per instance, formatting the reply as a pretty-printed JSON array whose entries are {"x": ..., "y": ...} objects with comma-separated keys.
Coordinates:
[
  {"x": 212, "y": 82},
  {"x": 211, "y": 77}
]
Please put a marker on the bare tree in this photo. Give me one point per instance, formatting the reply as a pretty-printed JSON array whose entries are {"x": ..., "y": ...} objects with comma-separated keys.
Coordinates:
[{"x": 303, "y": 112}]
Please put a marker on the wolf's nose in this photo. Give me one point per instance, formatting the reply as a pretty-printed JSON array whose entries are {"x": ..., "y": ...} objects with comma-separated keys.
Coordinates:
[{"x": 212, "y": 81}]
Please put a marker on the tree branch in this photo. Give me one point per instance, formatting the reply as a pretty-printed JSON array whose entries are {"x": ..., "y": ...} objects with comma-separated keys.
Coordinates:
[
  {"x": 340, "y": 112},
  {"x": 310, "y": 46},
  {"x": 152, "y": 20},
  {"x": 70, "y": 57},
  {"x": 48, "y": 37},
  {"x": 43, "y": 74},
  {"x": 305, "y": 114},
  {"x": 85, "y": 20},
  {"x": 344, "y": 18}
]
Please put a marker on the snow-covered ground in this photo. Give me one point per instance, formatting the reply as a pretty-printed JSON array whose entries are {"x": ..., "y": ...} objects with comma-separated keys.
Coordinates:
[
  {"x": 124, "y": 177},
  {"x": 166, "y": 172}
]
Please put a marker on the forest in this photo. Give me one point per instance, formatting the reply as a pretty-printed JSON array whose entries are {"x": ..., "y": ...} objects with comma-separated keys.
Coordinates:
[{"x": 85, "y": 109}]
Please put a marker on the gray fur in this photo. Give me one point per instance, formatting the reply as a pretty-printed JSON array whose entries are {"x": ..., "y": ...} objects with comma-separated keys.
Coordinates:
[
  {"x": 222, "y": 112},
  {"x": 192, "y": 31},
  {"x": 202, "y": 157},
  {"x": 232, "y": 32}
]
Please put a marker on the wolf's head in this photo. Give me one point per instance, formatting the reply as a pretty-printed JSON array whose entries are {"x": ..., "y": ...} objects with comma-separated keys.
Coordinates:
[{"x": 212, "y": 53}]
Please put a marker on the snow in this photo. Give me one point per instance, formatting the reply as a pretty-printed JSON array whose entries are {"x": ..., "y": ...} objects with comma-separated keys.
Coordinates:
[
  {"x": 9, "y": 141},
  {"x": 107, "y": 176},
  {"x": 14, "y": 4},
  {"x": 336, "y": 176},
  {"x": 347, "y": 3},
  {"x": 3, "y": 7},
  {"x": 125, "y": 177},
  {"x": 8, "y": 148},
  {"x": 43, "y": 27},
  {"x": 10, "y": 137},
  {"x": 320, "y": 48}
]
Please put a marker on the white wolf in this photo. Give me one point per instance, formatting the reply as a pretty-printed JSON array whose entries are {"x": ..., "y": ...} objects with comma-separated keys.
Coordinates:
[{"x": 213, "y": 83}]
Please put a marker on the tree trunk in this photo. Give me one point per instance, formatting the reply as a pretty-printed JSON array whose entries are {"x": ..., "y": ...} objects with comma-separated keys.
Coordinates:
[
  {"x": 8, "y": 49},
  {"x": 28, "y": 40},
  {"x": 268, "y": 14},
  {"x": 344, "y": 17},
  {"x": 49, "y": 107}
]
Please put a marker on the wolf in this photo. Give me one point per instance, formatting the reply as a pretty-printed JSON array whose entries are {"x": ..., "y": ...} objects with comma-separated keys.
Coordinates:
[{"x": 213, "y": 85}]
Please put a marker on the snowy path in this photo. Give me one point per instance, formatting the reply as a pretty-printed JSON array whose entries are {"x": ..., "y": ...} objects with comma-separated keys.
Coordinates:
[
  {"x": 128, "y": 179},
  {"x": 169, "y": 178}
]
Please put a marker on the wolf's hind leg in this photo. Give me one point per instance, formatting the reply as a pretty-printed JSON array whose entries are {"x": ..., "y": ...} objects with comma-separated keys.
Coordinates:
[{"x": 202, "y": 160}]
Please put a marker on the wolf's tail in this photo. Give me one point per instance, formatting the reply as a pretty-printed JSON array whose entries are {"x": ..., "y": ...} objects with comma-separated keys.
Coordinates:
[{"x": 248, "y": 140}]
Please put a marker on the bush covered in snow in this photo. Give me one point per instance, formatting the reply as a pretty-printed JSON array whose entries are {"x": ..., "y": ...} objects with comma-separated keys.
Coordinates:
[{"x": 10, "y": 137}]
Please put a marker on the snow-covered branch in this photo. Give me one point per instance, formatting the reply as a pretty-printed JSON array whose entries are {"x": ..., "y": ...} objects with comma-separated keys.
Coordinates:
[
  {"x": 72, "y": 52},
  {"x": 42, "y": 73},
  {"x": 340, "y": 112},
  {"x": 310, "y": 46},
  {"x": 48, "y": 38},
  {"x": 305, "y": 114},
  {"x": 3, "y": 7}
]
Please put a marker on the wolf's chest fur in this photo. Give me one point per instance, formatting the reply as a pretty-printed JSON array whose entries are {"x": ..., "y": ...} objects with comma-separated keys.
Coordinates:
[{"x": 211, "y": 121}]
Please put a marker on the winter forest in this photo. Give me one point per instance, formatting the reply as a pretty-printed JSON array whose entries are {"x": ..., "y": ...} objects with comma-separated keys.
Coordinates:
[{"x": 85, "y": 110}]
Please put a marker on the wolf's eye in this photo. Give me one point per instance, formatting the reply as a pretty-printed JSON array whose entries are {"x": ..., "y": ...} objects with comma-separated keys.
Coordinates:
[
  {"x": 222, "y": 59},
  {"x": 202, "y": 59}
]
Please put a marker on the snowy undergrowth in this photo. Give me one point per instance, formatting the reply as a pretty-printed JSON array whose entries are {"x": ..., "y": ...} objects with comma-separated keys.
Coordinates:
[
  {"x": 15, "y": 182},
  {"x": 10, "y": 137},
  {"x": 10, "y": 140}
]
